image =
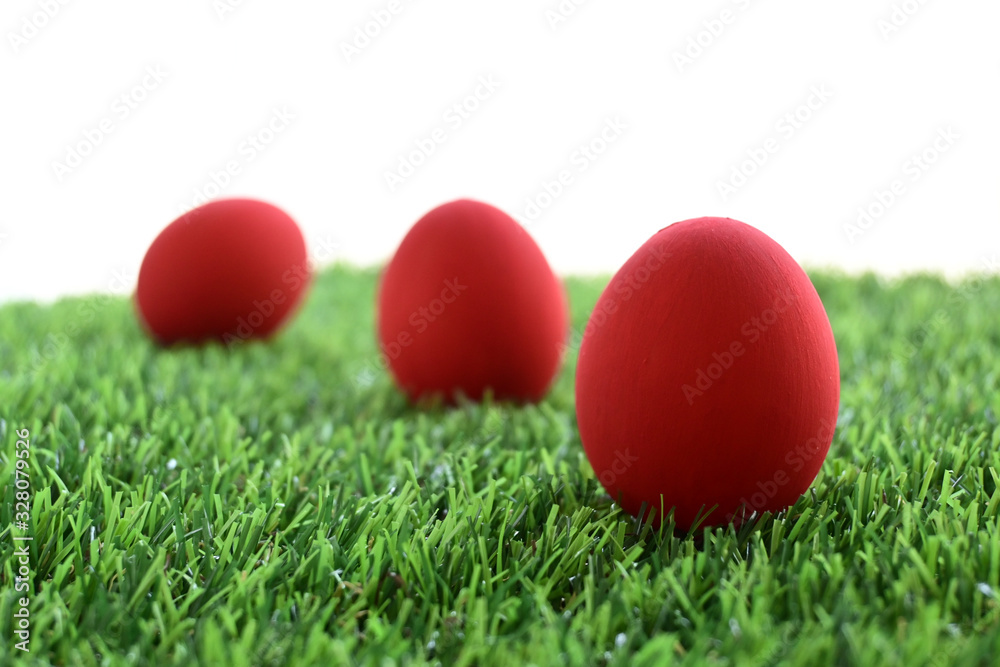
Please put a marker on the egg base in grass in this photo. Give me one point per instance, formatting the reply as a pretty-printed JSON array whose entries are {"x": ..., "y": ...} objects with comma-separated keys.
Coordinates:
[{"x": 708, "y": 380}]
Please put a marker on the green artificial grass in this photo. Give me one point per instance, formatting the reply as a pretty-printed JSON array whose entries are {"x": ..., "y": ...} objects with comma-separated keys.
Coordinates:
[{"x": 281, "y": 504}]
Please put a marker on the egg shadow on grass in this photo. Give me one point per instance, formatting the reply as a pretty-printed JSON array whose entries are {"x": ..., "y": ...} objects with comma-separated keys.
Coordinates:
[{"x": 648, "y": 527}]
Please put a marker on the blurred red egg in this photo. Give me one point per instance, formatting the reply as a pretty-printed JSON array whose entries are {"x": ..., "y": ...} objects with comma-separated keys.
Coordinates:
[
  {"x": 708, "y": 378},
  {"x": 469, "y": 303},
  {"x": 229, "y": 271}
]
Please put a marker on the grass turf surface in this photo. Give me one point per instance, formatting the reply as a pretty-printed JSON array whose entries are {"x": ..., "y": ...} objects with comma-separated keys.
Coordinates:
[{"x": 281, "y": 504}]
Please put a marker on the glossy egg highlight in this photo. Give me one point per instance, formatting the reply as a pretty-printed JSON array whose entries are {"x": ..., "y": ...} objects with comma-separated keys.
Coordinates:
[{"x": 708, "y": 380}]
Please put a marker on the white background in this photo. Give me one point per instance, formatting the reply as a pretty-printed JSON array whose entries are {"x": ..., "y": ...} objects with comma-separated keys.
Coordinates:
[{"x": 893, "y": 85}]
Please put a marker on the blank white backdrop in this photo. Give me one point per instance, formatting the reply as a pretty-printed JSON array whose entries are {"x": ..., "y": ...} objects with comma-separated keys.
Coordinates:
[{"x": 293, "y": 103}]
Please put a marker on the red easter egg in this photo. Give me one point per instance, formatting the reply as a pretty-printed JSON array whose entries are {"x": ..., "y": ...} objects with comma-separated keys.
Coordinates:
[
  {"x": 231, "y": 270},
  {"x": 708, "y": 376},
  {"x": 467, "y": 303}
]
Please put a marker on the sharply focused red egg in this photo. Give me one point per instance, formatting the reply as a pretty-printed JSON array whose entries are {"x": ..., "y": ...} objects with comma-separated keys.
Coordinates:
[
  {"x": 469, "y": 303},
  {"x": 708, "y": 378},
  {"x": 231, "y": 270}
]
